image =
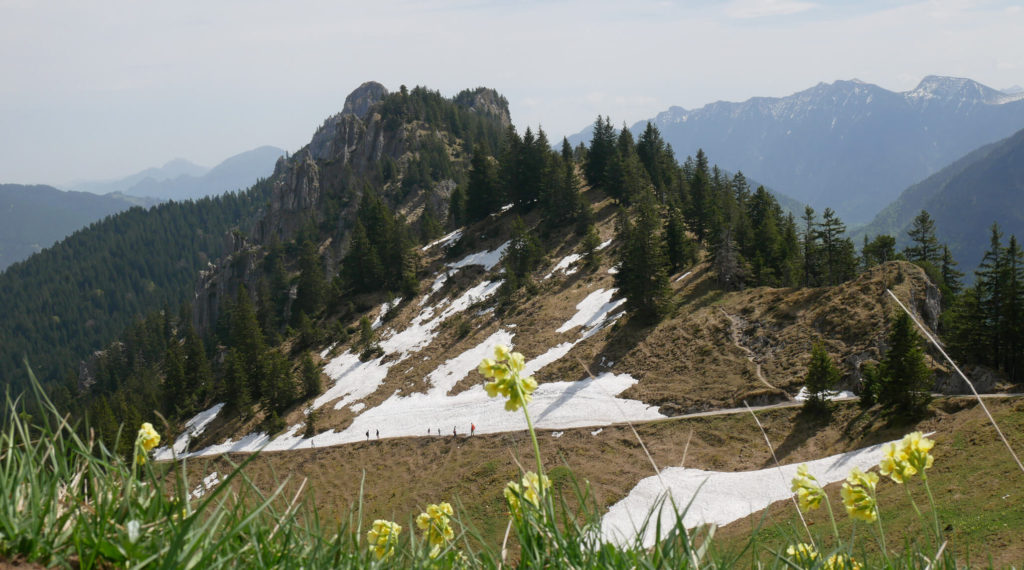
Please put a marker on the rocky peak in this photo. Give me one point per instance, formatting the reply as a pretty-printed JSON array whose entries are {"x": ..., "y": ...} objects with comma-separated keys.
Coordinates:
[
  {"x": 365, "y": 96},
  {"x": 486, "y": 101},
  {"x": 957, "y": 89}
]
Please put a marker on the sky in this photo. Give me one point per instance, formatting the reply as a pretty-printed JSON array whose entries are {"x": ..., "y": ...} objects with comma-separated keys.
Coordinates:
[{"x": 99, "y": 90}]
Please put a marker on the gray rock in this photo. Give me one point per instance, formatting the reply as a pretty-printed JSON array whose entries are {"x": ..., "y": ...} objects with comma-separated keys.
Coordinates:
[{"x": 358, "y": 102}]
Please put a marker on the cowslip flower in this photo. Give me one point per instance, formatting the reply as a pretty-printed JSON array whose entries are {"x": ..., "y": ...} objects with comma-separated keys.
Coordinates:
[
  {"x": 145, "y": 441},
  {"x": 808, "y": 492},
  {"x": 530, "y": 490},
  {"x": 803, "y": 553},
  {"x": 917, "y": 447},
  {"x": 908, "y": 457},
  {"x": 436, "y": 526},
  {"x": 383, "y": 536},
  {"x": 842, "y": 562},
  {"x": 505, "y": 370},
  {"x": 894, "y": 463},
  {"x": 858, "y": 494}
]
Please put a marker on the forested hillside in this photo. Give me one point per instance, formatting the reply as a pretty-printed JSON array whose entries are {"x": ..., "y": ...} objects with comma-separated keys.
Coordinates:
[
  {"x": 35, "y": 217},
  {"x": 71, "y": 299}
]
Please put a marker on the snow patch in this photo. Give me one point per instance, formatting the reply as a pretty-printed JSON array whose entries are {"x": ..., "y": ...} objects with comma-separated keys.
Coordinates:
[
  {"x": 557, "y": 434},
  {"x": 683, "y": 276},
  {"x": 592, "y": 311},
  {"x": 209, "y": 482},
  {"x": 803, "y": 395},
  {"x": 565, "y": 265},
  {"x": 193, "y": 429},
  {"x": 717, "y": 497},
  {"x": 444, "y": 240}
]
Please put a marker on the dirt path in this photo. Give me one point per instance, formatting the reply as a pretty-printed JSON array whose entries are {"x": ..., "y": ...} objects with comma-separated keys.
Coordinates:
[{"x": 734, "y": 333}]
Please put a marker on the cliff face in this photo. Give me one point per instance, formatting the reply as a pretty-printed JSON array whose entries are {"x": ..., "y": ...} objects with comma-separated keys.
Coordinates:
[{"x": 319, "y": 185}]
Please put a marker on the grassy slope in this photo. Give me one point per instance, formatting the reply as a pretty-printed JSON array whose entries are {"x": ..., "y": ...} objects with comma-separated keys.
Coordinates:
[{"x": 975, "y": 482}]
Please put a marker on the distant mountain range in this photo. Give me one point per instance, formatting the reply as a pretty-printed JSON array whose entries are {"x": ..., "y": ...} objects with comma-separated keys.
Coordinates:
[
  {"x": 35, "y": 217},
  {"x": 964, "y": 199},
  {"x": 180, "y": 179},
  {"x": 848, "y": 145}
]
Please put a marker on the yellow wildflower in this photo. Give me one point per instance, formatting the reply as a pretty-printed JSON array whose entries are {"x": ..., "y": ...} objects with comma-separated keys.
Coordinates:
[
  {"x": 917, "y": 447},
  {"x": 382, "y": 538},
  {"x": 530, "y": 490},
  {"x": 803, "y": 554},
  {"x": 516, "y": 362},
  {"x": 858, "y": 494},
  {"x": 894, "y": 463},
  {"x": 808, "y": 492},
  {"x": 436, "y": 526},
  {"x": 501, "y": 352},
  {"x": 145, "y": 441},
  {"x": 505, "y": 371},
  {"x": 842, "y": 562}
]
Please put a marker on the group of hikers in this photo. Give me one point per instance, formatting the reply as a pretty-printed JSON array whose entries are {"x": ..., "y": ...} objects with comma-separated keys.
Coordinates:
[{"x": 455, "y": 431}]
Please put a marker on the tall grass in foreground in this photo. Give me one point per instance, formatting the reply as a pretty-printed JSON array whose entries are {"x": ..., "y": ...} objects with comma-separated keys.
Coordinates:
[{"x": 66, "y": 501}]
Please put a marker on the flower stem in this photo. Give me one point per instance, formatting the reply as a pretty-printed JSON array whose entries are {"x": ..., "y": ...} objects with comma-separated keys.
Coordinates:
[
  {"x": 881, "y": 531},
  {"x": 529, "y": 426},
  {"x": 913, "y": 503},
  {"x": 931, "y": 500},
  {"x": 832, "y": 517}
]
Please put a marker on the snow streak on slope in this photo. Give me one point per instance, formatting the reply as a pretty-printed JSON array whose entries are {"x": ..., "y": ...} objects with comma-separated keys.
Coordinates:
[
  {"x": 193, "y": 429},
  {"x": 556, "y": 405},
  {"x": 719, "y": 498}
]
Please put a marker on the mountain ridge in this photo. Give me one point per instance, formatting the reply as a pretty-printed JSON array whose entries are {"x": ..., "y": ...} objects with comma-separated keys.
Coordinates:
[
  {"x": 849, "y": 145},
  {"x": 180, "y": 179},
  {"x": 34, "y": 217}
]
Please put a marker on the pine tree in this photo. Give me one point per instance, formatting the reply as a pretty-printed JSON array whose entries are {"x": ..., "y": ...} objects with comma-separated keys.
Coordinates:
[
  {"x": 926, "y": 246},
  {"x": 951, "y": 277},
  {"x": 600, "y": 153},
  {"x": 822, "y": 377},
  {"x": 905, "y": 380},
  {"x": 312, "y": 284},
  {"x": 311, "y": 385},
  {"x": 483, "y": 195},
  {"x": 811, "y": 249},
  {"x": 681, "y": 250},
  {"x": 879, "y": 250},
  {"x": 839, "y": 258},
  {"x": 589, "y": 244},
  {"x": 523, "y": 253},
  {"x": 642, "y": 275}
]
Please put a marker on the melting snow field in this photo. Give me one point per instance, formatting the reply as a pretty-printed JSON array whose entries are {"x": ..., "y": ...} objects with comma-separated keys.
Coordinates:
[
  {"x": 556, "y": 405},
  {"x": 720, "y": 498}
]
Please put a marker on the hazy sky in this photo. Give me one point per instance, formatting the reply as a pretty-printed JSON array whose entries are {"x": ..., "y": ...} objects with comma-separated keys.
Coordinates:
[{"x": 102, "y": 89}]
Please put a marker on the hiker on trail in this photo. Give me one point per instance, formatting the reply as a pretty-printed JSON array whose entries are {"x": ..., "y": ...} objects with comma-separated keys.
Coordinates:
[
  {"x": 472, "y": 429},
  {"x": 378, "y": 434},
  {"x": 367, "y": 435},
  {"x": 428, "y": 431},
  {"x": 454, "y": 433}
]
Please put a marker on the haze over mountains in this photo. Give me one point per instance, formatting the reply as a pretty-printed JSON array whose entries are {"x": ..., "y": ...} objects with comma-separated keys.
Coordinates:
[
  {"x": 34, "y": 217},
  {"x": 848, "y": 145},
  {"x": 964, "y": 199},
  {"x": 180, "y": 179}
]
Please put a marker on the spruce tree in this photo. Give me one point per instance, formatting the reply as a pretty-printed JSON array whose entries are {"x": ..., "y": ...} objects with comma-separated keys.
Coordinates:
[
  {"x": 642, "y": 275},
  {"x": 926, "y": 246},
  {"x": 311, "y": 385},
  {"x": 483, "y": 195},
  {"x": 600, "y": 153},
  {"x": 905, "y": 380},
  {"x": 822, "y": 377}
]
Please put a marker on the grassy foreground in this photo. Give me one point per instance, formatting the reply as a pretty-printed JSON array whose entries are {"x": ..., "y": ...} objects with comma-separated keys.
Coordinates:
[{"x": 70, "y": 502}]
